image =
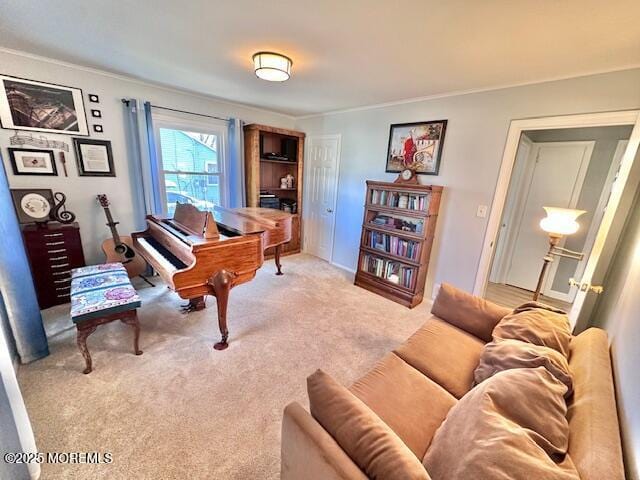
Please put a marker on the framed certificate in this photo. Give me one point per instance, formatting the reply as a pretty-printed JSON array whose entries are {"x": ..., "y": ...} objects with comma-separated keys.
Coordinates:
[{"x": 94, "y": 158}]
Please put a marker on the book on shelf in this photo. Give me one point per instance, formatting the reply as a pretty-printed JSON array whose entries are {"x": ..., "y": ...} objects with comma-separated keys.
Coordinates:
[
  {"x": 401, "y": 200},
  {"x": 389, "y": 270},
  {"x": 405, "y": 224},
  {"x": 393, "y": 245}
]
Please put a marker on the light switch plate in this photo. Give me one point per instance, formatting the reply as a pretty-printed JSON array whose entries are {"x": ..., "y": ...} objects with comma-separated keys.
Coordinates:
[{"x": 482, "y": 211}]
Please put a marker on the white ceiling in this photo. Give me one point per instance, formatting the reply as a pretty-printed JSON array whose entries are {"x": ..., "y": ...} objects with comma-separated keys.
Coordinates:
[{"x": 346, "y": 53}]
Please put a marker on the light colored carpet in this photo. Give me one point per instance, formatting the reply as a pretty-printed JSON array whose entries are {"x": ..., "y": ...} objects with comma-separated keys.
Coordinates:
[{"x": 183, "y": 410}]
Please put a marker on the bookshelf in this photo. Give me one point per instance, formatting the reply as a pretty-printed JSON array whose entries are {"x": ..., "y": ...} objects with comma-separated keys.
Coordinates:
[
  {"x": 271, "y": 153},
  {"x": 397, "y": 235}
]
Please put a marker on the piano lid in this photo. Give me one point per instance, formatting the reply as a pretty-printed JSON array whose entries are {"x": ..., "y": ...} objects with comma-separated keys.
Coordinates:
[
  {"x": 237, "y": 223},
  {"x": 267, "y": 216}
]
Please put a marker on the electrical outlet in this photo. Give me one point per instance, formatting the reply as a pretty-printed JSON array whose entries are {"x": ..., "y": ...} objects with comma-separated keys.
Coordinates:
[{"x": 482, "y": 211}]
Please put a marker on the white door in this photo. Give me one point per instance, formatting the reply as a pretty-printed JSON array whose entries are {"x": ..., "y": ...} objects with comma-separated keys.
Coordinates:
[
  {"x": 321, "y": 188},
  {"x": 556, "y": 180},
  {"x": 622, "y": 193}
]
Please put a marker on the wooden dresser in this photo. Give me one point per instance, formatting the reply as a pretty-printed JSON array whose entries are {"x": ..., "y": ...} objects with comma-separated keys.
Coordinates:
[
  {"x": 53, "y": 250},
  {"x": 397, "y": 234}
]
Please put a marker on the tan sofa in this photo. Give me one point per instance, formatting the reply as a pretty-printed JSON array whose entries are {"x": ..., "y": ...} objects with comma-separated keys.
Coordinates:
[{"x": 412, "y": 389}]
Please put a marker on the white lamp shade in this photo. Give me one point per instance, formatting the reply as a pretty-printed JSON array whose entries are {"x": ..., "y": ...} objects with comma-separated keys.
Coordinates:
[
  {"x": 272, "y": 66},
  {"x": 561, "y": 221}
]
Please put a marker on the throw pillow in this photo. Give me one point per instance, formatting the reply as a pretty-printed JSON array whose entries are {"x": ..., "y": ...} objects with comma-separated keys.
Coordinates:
[
  {"x": 513, "y": 426},
  {"x": 538, "y": 324},
  {"x": 508, "y": 354},
  {"x": 368, "y": 441}
]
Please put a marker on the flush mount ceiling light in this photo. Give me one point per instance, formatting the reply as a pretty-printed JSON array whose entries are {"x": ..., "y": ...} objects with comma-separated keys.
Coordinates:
[{"x": 272, "y": 66}]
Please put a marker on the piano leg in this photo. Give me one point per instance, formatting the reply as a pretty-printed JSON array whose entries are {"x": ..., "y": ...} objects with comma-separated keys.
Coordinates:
[
  {"x": 277, "y": 258},
  {"x": 221, "y": 283}
]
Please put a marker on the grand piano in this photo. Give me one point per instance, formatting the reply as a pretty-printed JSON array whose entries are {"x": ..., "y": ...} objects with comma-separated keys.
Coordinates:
[{"x": 200, "y": 253}]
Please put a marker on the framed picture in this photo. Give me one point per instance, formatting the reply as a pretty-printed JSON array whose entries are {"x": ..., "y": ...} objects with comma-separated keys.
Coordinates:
[
  {"x": 33, "y": 205},
  {"x": 29, "y": 161},
  {"x": 93, "y": 98},
  {"x": 98, "y": 128},
  {"x": 416, "y": 146},
  {"x": 94, "y": 158},
  {"x": 41, "y": 107},
  {"x": 96, "y": 113}
]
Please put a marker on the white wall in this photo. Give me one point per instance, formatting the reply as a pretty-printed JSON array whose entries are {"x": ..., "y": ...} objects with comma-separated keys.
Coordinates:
[
  {"x": 473, "y": 148},
  {"x": 81, "y": 191},
  {"x": 618, "y": 311}
]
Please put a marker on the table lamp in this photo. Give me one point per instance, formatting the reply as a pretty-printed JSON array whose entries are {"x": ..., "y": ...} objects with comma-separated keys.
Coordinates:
[{"x": 558, "y": 223}]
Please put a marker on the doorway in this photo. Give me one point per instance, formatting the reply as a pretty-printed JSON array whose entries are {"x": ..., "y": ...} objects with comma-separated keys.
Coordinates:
[
  {"x": 580, "y": 162},
  {"x": 321, "y": 191}
]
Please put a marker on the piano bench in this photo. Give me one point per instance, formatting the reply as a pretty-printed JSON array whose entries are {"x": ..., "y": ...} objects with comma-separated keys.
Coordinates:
[{"x": 101, "y": 294}]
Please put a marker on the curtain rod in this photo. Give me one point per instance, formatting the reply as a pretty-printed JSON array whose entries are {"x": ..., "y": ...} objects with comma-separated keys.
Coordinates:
[{"x": 224, "y": 119}]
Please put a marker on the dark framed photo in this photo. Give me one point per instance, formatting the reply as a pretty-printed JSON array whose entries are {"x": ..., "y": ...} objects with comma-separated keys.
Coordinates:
[
  {"x": 33, "y": 205},
  {"x": 94, "y": 158},
  {"x": 31, "y": 161},
  {"x": 96, "y": 113},
  {"x": 416, "y": 146},
  {"x": 41, "y": 107},
  {"x": 98, "y": 128},
  {"x": 93, "y": 98}
]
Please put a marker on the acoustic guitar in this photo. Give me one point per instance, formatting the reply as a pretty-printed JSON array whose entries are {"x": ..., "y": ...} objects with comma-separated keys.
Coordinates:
[{"x": 119, "y": 248}]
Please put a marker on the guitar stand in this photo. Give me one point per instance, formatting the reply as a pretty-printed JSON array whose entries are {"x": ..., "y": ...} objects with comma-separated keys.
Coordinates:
[{"x": 147, "y": 280}]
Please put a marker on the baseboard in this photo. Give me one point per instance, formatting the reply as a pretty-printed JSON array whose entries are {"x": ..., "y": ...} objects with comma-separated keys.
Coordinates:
[{"x": 342, "y": 267}]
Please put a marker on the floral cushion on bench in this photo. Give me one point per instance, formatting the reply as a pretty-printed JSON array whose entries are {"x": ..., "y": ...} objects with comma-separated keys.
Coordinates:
[{"x": 101, "y": 290}]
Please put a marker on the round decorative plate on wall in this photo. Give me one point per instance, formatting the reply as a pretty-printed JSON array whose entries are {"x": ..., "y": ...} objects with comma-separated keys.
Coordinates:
[
  {"x": 36, "y": 206},
  {"x": 33, "y": 204}
]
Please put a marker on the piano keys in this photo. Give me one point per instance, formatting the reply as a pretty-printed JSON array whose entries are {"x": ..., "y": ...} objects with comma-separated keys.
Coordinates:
[{"x": 199, "y": 253}]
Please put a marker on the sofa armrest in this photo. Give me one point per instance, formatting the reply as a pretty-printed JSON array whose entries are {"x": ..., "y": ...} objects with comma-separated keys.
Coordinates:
[{"x": 309, "y": 452}]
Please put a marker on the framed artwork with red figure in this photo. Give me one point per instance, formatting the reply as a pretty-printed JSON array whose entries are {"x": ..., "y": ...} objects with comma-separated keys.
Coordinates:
[{"x": 416, "y": 146}]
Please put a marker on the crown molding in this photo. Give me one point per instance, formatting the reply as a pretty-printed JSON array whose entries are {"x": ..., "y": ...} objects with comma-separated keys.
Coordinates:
[
  {"x": 374, "y": 106},
  {"x": 126, "y": 78},
  {"x": 456, "y": 93}
]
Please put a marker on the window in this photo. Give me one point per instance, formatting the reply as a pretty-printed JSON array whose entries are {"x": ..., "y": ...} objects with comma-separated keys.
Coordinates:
[{"x": 190, "y": 167}]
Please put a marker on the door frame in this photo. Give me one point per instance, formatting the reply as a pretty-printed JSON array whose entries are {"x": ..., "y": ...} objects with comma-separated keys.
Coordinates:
[
  {"x": 307, "y": 163},
  {"x": 624, "y": 117},
  {"x": 505, "y": 241}
]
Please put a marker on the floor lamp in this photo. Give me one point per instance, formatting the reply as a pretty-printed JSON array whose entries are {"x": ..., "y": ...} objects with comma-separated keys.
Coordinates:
[{"x": 558, "y": 223}]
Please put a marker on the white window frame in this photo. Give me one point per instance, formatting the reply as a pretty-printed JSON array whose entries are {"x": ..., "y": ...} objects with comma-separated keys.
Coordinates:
[{"x": 192, "y": 123}]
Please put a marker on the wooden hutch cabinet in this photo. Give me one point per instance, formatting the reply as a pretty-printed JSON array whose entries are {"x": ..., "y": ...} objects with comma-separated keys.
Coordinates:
[
  {"x": 270, "y": 155},
  {"x": 397, "y": 235}
]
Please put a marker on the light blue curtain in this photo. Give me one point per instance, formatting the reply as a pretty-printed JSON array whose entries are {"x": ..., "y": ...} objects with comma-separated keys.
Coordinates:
[
  {"x": 22, "y": 322},
  {"x": 144, "y": 166},
  {"x": 235, "y": 176}
]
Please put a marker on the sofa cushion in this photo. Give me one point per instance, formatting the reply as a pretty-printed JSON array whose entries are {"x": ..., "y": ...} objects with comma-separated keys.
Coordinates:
[
  {"x": 538, "y": 324},
  {"x": 368, "y": 441},
  {"x": 444, "y": 353},
  {"x": 470, "y": 313},
  {"x": 508, "y": 354},
  {"x": 512, "y": 426},
  {"x": 410, "y": 403},
  {"x": 594, "y": 439}
]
